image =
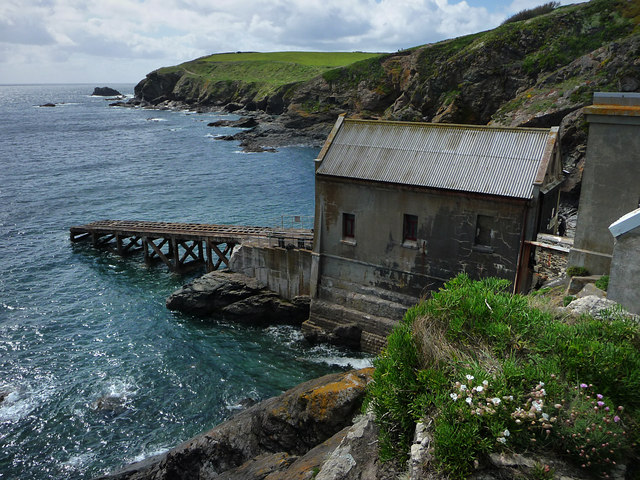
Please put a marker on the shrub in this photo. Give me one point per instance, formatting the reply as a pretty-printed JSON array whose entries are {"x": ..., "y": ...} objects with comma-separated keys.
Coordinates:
[
  {"x": 496, "y": 374},
  {"x": 603, "y": 282},
  {"x": 532, "y": 12},
  {"x": 577, "y": 271}
]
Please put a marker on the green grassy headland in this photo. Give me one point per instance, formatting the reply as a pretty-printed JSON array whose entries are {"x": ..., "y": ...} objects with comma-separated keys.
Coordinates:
[{"x": 270, "y": 68}]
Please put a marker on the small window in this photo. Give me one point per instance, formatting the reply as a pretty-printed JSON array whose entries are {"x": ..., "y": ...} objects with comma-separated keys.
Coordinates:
[
  {"x": 484, "y": 225},
  {"x": 348, "y": 225},
  {"x": 410, "y": 228}
]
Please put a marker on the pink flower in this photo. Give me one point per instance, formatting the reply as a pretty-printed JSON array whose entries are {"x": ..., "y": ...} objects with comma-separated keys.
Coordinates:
[
  {"x": 616, "y": 419},
  {"x": 601, "y": 404},
  {"x": 599, "y": 396},
  {"x": 584, "y": 385}
]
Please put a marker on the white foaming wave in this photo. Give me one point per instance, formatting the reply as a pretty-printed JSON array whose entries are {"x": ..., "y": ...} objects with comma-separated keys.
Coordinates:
[
  {"x": 11, "y": 307},
  {"x": 148, "y": 454},
  {"x": 285, "y": 333},
  {"x": 346, "y": 362},
  {"x": 155, "y": 119},
  {"x": 21, "y": 402},
  {"x": 77, "y": 461},
  {"x": 121, "y": 387}
]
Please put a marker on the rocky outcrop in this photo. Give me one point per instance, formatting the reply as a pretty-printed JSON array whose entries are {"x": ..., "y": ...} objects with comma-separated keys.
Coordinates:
[
  {"x": 106, "y": 92},
  {"x": 284, "y": 437},
  {"x": 239, "y": 298}
]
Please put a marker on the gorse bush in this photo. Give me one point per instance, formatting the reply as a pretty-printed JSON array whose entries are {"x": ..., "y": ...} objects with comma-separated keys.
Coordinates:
[
  {"x": 532, "y": 12},
  {"x": 494, "y": 373}
]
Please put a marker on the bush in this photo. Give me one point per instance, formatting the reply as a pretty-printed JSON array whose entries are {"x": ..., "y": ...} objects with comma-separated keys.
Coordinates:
[
  {"x": 496, "y": 374},
  {"x": 603, "y": 282},
  {"x": 577, "y": 272},
  {"x": 532, "y": 12}
]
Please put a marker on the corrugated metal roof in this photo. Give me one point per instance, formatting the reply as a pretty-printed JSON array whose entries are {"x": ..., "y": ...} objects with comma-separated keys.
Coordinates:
[{"x": 489, "y": 160}]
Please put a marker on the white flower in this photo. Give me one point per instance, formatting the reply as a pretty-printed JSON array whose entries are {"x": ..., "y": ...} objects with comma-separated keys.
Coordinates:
[
  {"x": 485, "y": 383},
  {"x": 470, "y": 377},
  {"x": 453, "y": 396},
  {"x": 541, "y": 384},
  {"x": 468, "y": 400},
  {"x": 496, "y": 401},
  {"x": 545, "y": 416},
  {"x": 537, "y": 405},
  {"x": 506, "y": 432},
  {"x": 502, "y": 440},
  {"x": 463, "y": 387},
  {"x": 479, "y": 389}
]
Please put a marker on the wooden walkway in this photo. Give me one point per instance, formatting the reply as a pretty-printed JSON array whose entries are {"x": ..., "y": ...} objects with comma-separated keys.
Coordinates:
[{"x": 184, "y": 246}]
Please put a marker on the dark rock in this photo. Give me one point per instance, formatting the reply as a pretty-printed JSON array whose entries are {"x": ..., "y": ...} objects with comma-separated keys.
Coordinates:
[
  {"x": 232, "y": 107},
  {"x": 246, "y": 122},
  {"x": 236, "y": 297},
  {"x": 110, "y": 404},
  {"x": 264, "y": 438},
  {"x": 4, "y": 394},
  {"x": 48, "y": 105},
  {"x": 106, "y": 92}
]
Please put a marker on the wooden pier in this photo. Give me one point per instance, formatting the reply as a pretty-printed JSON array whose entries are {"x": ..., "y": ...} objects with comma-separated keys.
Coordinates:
[{"x": 184, "y": 246}]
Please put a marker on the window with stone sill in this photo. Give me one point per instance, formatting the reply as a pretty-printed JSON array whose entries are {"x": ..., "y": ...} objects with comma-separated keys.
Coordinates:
[{"x": 409, "y": 230}]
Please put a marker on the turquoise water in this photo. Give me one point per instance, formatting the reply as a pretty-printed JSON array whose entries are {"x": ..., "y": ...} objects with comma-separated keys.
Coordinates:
[{"x": 80, "y": 328}]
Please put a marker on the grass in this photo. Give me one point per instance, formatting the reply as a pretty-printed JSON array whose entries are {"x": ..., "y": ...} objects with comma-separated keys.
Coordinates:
[
  {"x": 501, "y": 372},
  {"x": 272, "y": 68}
]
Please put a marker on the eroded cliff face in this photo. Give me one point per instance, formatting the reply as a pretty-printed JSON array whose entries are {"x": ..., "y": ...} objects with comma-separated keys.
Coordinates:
[{"x": 538, "y": 73}]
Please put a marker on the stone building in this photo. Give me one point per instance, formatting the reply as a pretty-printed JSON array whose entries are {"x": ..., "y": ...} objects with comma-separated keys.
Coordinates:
[
  {"x": 611, "y": 177},
  {"x": 624, "y": 283},
  {"x": 403, "y": 207}
]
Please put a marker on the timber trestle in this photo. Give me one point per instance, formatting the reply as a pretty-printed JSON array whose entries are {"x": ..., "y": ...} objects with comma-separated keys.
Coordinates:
[{"x": 184, "y": 246}]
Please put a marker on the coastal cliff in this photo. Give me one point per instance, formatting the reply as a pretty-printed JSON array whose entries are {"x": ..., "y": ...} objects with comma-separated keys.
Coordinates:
[{"x": 538, "y": 72}]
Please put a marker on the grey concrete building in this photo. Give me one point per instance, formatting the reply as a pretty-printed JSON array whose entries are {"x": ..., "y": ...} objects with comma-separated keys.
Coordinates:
[
  {"x": 611, "y": 177},
  {"x": 624, "y": 280},
  {"x": 403, "y": 207}
]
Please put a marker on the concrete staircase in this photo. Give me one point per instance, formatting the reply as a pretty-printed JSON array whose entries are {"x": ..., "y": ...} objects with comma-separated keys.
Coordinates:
[{"x": 355, "y": 315}]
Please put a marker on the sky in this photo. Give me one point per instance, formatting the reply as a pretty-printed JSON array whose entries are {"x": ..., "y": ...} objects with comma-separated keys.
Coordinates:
[{"x": 120, "y": 41}]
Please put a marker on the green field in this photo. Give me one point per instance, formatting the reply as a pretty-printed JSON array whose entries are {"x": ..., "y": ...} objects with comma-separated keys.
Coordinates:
[{"x": 273, "y": 69}]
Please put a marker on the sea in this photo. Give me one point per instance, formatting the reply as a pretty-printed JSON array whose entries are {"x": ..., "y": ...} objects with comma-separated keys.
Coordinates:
[{"x": 95, "y": 372}]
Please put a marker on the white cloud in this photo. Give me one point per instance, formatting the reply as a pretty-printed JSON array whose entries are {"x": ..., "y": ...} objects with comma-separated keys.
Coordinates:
[{"x": 77, "y": 40}]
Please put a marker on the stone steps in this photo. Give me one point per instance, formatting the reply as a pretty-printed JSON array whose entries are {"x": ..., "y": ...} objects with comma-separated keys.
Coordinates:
[{"x": 326, "y": 320}]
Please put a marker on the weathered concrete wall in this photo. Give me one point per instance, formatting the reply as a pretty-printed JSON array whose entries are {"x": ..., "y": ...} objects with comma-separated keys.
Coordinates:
[
  {"x": 625, "y": 272},
  {"x": 611, "y": 178},
  {"x": 284, "y": 271},
  {"x": 446, "y": 235}
]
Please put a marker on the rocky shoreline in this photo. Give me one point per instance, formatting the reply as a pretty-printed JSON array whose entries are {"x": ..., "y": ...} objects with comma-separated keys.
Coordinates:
[
  {"x": 263, "y": 132},
  {"x": 295, "y": 435}
]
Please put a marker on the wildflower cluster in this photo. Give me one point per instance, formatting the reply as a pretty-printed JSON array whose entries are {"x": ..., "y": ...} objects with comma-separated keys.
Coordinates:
[
  {"x": 482, "y": 404},
  {"x": 592, "y": 431},
  {"x": 532, "y": 414}
]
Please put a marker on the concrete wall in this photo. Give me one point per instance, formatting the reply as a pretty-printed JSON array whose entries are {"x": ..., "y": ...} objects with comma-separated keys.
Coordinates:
[
  {"x": 624, "y": 282},
  {"x": 445, "y": 244},
  {"x": 611, "y": 178},
  {"x": 284, "y": 271}
]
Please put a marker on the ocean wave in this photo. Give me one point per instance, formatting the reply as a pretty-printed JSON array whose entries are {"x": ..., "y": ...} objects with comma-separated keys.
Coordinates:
[
  {"x": 156, "y": 119},
  {"x": 20, "y": 402}
]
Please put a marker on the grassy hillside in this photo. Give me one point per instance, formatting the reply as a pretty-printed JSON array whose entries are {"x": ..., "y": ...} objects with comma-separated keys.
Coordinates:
[{"x": 271, "y": 68}]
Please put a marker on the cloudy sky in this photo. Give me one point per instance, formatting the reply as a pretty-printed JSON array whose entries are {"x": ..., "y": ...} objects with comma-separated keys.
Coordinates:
[{"x": 120, "y": 41}]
